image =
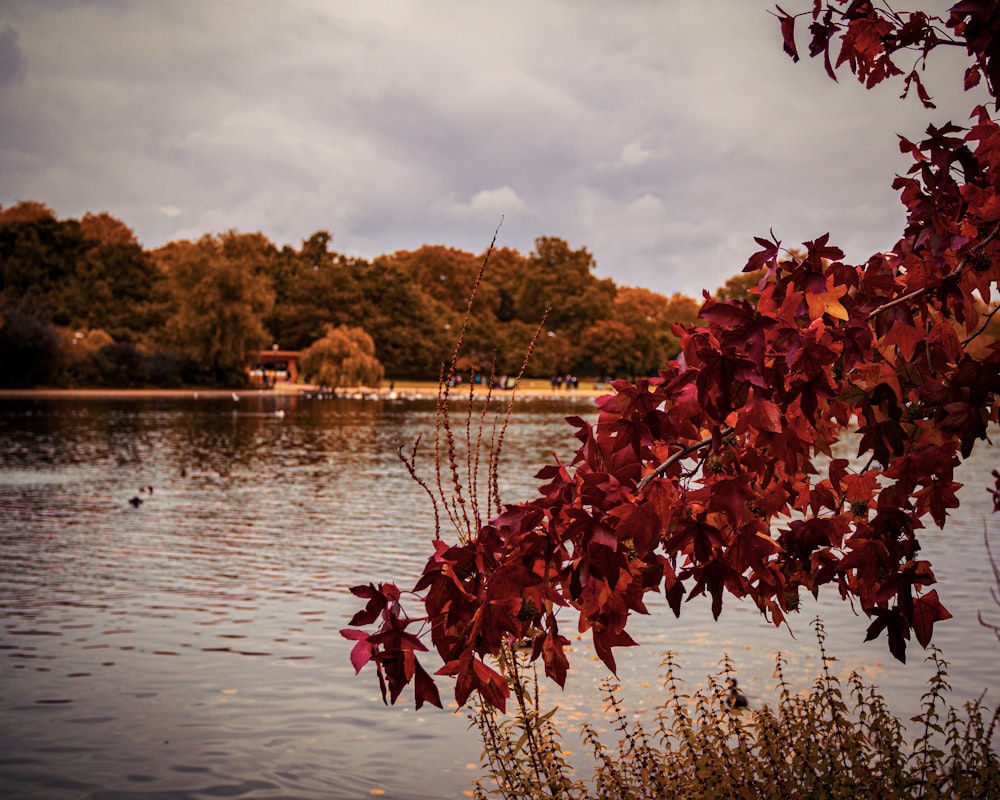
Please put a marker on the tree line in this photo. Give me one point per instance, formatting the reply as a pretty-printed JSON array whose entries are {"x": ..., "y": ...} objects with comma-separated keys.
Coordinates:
[{"x": 83, "y": 304}]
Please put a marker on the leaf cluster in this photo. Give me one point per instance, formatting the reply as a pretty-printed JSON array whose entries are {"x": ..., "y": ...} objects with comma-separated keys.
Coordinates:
[{"x": 718, "y": 475}]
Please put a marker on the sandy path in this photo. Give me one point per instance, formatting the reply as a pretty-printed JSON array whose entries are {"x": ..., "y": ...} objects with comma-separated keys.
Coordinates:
[{"x": 408, "y": 389}]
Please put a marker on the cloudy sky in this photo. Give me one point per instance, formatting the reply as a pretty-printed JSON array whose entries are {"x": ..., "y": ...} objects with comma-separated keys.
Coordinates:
[{"x": 661, "y": 135}]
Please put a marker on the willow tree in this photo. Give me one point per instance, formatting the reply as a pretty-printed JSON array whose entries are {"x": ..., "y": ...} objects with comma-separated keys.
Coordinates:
[{"x": 345, "y": 356}]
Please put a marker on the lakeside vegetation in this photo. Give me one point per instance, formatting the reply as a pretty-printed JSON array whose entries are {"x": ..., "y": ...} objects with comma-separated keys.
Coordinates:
[
  {"x": 837, "y": 738},
  {"x": 83, "y": 304}
]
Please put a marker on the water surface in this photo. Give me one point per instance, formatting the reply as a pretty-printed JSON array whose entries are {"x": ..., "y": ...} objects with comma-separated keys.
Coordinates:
[{"x": 188, "y": 646}]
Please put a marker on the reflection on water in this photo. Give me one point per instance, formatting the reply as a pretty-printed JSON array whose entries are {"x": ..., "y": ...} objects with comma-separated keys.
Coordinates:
[{"x": 188, "y": 646}]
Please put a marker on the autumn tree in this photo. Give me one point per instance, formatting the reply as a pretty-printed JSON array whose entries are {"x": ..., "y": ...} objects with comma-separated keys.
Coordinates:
[
  {"x": 38, "y": 255},
  {"x": 501, "y": 284},
  {"x": 555, "y": 282},
  {"x": 82, "y": 352},
  {"x": 411, "y": 330},
  {"x": 639, "y": 336},
  {"x": 717, "y": 476},
  {"x": 562, "y": 278},
  {"x": 444, "y": 273},
  {"x": 612, "y": 347},
  {"x": 314, "y": 287},
  {"x": 503, "y": 342},
  {"x": 88, "y": 274},
  {"x": 496, "y": 327},
  {"x": 26, "y": 211},
  {"x": 343, "y": 357},
  {"x": 496, "y": 335},
  {"x": 115, "y": 287},
  {"x": 739, "y": 286},
  {"x": 106, "y": 229},
  {"x": 221, "y": 295}
]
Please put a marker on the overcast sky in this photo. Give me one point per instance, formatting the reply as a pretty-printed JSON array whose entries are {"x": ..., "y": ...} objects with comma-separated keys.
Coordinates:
[{"x": 662, "y": 136}]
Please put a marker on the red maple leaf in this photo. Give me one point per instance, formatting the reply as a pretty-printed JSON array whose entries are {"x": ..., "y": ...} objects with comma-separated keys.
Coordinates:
[
  {"x": 896, "y": 627},
  {"x": 937, "y": 497},
  {"x": 927, "y": 609},
  {"x": 551, "y": 646},
  {"x": 605, "y": 639}
]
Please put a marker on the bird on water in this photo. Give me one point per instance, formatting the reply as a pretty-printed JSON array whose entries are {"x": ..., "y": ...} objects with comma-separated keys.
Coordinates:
[{"x": 736, "y": 698}]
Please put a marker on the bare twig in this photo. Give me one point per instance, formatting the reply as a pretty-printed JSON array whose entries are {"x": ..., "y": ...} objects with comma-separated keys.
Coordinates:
[
  {"x": 978, "y": 331},
  {"x": 682, "y": 453},
  {"x": 456, "y": 507},
  {"x": 494, "y": 490},
  {"x": 410, "y": 462},
  {"x": 478, "y": 443}
]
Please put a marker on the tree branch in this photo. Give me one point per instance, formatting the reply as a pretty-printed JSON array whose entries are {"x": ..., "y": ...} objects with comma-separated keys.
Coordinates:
[
  {"x": 925, "y": 289},
  {"x": 981, "y": 328},
  {"x": 682, "y": 453}
]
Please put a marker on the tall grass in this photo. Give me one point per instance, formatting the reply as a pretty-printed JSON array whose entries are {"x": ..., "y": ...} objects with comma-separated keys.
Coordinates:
[{"x": 833, "y": 740}]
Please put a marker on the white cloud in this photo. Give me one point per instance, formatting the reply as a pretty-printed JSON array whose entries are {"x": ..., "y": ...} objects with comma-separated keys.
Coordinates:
[
  {"x": 489, "y": 203},
  {"x": 638, "y": 152}
]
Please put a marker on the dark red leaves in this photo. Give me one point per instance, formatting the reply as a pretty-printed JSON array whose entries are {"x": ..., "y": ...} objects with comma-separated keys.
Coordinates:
[
  {"x": 765, "y": 416},
  {"x": 707, "y": 479},
  {"x": 788, "y": 33},
  {"x": 937, "y": 497},
  {"x": 766, "y": 258},
  {"x": 362, "y": 652},
  {"x": 424, "y": 688},
  {"x": 473, "y": 675},
  {"x": 551, "y": 646},
  {"x": 870, "y": 39},
  {"x": 607, "y": 638},
  {"x": 896, "y": 628},
  {"x": 926, "y": 611},
  {"x": 972, "y": 77},
  {"x": 975, "y": 20},
  {"x": 392, "y": 648},
  {"x": 378, "y": 598}
]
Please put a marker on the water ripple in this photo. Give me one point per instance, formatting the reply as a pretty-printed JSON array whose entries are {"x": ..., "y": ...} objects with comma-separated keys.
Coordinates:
[{"x": 192, "y": 639}]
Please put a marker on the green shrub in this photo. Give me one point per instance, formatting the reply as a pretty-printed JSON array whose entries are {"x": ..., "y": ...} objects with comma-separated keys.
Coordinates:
[{"x": 832, "y": 741}]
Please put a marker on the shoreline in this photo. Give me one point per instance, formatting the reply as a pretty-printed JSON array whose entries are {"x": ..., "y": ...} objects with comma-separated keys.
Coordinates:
[{"x": 403, "y": 390}]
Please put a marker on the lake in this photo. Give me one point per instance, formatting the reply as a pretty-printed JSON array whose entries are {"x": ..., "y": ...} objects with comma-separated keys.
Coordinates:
[{"x": 189, "y": 647}]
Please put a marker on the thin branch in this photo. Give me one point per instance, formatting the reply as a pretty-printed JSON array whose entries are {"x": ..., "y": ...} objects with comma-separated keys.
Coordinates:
[
  {"x": 925, "y": 289},
  {"x": 493, "y": 496},
  {"x": 981, "y": 328},
  {"x": 457, "y": 511},
  {"x": 899, "y": 301},
  {"x": 472, "y": 297},
  {"x": 410, "y": 462},
  {"x": 473, "y": 448},
  {"x": 682, "y": 453}
]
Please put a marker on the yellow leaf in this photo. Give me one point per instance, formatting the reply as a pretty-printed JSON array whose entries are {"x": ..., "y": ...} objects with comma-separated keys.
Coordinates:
[{"x": 827, "y": 302}]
